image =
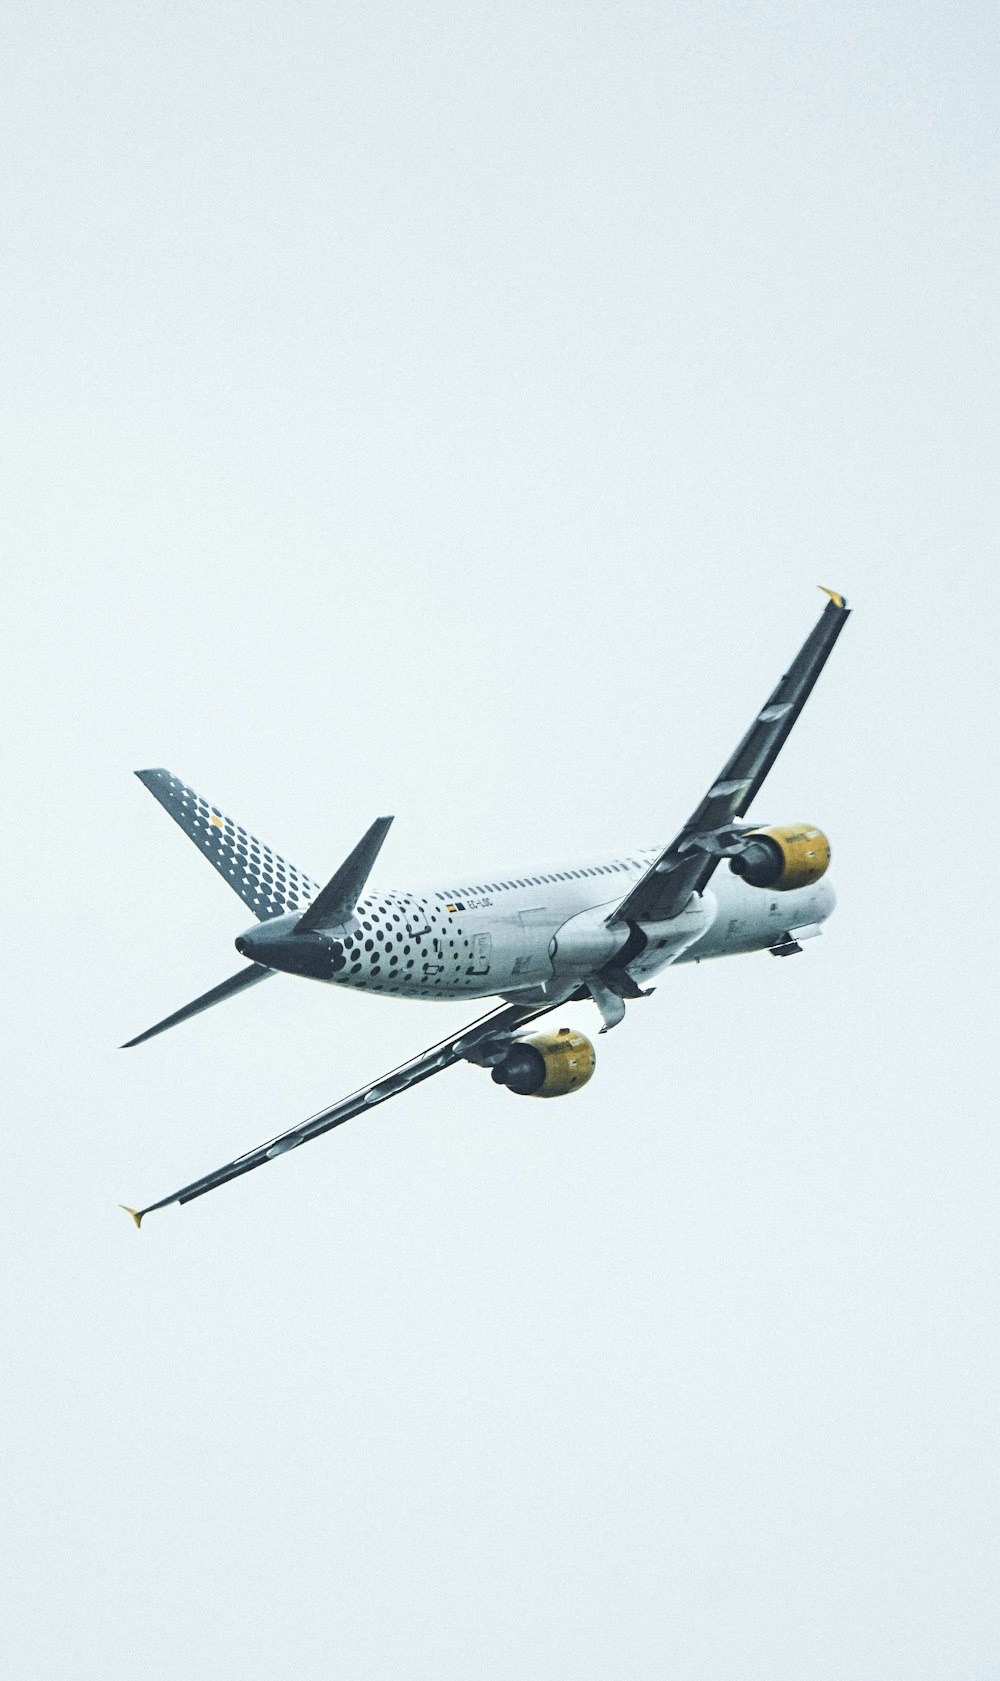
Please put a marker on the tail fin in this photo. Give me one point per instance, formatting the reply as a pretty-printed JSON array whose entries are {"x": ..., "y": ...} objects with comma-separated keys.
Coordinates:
[{"x": 266, "y": 884}]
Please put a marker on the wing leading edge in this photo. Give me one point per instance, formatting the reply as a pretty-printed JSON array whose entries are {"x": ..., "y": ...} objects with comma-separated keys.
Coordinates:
[
  {"x": 456, "y": 1048},
  {"x": 685, "y": 866}
]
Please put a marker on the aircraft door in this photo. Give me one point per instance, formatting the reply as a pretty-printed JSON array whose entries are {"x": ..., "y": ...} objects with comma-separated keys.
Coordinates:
[
  {"x": 417, "y": 924},
  {"x": 481, "y": 955}
]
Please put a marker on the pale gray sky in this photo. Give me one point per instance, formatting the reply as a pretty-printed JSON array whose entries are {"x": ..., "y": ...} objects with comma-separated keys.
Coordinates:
[{"x": 450, "y": 411}]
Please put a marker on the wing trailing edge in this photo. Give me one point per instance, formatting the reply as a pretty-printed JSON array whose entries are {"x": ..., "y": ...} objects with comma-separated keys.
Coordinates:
[
  {"x": 685, "y": 866},
  {"x": 461, "y": 1046}
]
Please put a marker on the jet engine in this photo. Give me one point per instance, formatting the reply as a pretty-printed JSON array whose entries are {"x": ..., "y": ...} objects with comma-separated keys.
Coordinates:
[
  {"x": 781, "y": 859},
  {"x": 547, "y": 1064}
]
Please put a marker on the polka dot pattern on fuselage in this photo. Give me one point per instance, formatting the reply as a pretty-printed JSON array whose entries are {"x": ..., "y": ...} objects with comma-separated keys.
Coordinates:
[
  {"x": 409, "y": 946},
  {"x": 412, "y": 944}
]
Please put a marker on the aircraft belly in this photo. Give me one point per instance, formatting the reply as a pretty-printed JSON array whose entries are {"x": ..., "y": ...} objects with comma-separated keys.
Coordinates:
[
  {"x": 668, "y": 941},
  {"x": 752, "y": 918}
]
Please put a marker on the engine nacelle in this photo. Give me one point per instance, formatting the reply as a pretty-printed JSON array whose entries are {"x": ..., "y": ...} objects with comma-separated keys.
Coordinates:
[
  {"x": 547, "y": 1064},
  {"x": 781, "y": 859}
]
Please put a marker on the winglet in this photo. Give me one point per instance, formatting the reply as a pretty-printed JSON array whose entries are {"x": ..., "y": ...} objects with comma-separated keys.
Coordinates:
[
  {"x": 137, "y": 1217},
  {"x": 838, "y": 600}
]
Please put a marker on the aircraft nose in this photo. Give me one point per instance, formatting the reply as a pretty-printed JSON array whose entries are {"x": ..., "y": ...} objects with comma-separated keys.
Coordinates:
[
  {"x": 827, "y": 898},
  {"x": 244, "y": 945}
]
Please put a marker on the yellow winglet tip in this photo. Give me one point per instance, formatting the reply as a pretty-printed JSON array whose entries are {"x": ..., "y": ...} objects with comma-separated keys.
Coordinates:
[
  {"x": 137, "y": 1217},
  {"x": 838, "y": 600}
]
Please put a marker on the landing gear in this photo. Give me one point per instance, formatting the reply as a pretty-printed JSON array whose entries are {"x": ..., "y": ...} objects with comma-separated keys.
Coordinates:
[
  {"x": 608, "y": 1000},
  {"x": 609, "y": 991}
]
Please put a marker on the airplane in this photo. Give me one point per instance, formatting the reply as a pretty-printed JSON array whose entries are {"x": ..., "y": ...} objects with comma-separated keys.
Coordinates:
[{"x": 538, "y": 940}]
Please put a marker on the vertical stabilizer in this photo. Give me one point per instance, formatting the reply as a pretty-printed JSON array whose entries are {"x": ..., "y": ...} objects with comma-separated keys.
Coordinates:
[{"x": 266, "y": 884}]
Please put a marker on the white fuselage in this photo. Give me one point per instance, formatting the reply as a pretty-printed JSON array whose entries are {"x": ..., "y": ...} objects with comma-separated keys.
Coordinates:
[{"x": 539, "y": 936}]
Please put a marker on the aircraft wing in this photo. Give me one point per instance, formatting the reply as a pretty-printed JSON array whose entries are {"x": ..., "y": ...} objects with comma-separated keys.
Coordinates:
[
  {"x": 684, "y": 867},
  {"x": 460, "y": 1046}
]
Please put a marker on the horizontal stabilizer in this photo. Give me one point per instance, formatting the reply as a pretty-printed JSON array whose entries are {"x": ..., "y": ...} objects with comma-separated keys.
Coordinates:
[
  {"x": 337, "y": 900},
  {"x": 226, "y": 989}
]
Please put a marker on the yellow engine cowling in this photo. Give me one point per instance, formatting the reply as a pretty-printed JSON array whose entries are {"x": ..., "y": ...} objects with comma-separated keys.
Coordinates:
[
  {"x": 547, "y": 1064},
  {"x": 794, "y": 856}
]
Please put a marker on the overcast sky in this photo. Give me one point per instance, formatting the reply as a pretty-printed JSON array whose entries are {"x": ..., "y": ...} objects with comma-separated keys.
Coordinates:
[{"x": 450, "y": 411}]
